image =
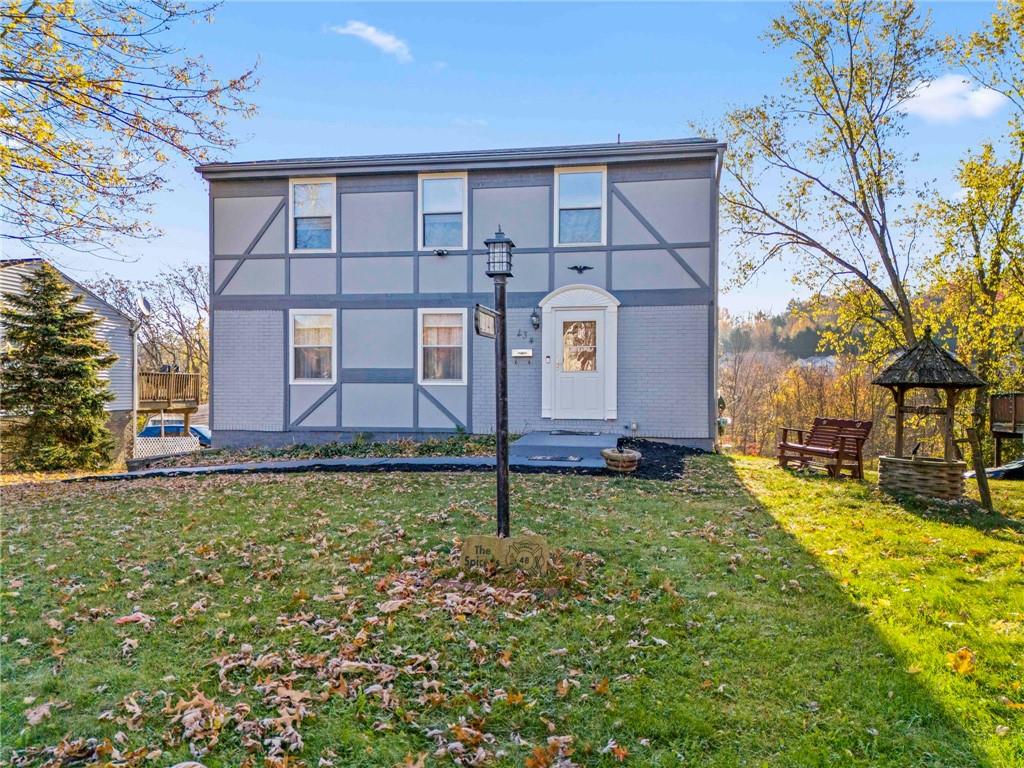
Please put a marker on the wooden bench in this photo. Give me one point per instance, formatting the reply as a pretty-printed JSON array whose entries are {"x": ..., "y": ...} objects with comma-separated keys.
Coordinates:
[{"x": 837, "y": 444}]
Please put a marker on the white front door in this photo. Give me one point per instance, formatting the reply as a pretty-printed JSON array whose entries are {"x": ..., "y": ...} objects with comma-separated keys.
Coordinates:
[{"x": 580, "y": 368}]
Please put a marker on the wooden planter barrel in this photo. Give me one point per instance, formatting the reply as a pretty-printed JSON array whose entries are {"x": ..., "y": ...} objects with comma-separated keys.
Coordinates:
[
  {"x": 937, "y": 478},
  {"x": 625, "y": 460}
]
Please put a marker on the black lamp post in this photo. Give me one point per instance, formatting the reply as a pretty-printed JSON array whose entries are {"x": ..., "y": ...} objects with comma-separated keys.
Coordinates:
[{"x": 499, "y": 267}]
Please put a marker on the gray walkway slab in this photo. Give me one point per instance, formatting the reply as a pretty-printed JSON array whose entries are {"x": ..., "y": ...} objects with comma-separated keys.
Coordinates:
[{"x": 561, "y": 445}]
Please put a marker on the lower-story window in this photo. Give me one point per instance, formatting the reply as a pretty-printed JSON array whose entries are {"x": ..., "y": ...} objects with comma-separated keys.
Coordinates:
[
  {"x": 312, "y": 346},
  {"x": 442, "y": 346}
]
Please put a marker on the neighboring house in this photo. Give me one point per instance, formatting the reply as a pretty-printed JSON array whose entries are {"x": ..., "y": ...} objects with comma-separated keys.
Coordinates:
[
  {"x": 342, "y": 292},
  {"x": 116, "y": 328}
]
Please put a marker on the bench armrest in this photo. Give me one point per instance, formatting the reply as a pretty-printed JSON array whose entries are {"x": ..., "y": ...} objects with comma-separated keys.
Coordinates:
[{"x": 784, "y": 434}]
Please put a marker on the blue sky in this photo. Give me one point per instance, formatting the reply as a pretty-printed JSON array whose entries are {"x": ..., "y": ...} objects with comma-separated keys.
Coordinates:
[{"x": 376, "y": 78}]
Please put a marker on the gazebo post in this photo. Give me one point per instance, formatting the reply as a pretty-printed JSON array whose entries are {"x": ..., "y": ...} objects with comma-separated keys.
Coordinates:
[
  {"x": 948, "y": 422},
  {"x": 900, "y": 394}
]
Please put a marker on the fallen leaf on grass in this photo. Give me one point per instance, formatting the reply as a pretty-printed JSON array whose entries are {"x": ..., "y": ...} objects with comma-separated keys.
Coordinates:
[
  {"x": 136, "y": 618},
  {"x": 616, "y": 750},
  {"x": 36, "y": 715},
  {"x": 962, "y": 662},
  {"x": 390, "y": 606}
]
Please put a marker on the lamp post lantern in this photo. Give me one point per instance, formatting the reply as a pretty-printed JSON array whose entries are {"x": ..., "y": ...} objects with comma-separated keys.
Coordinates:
[{"x": 499, "y": 268}]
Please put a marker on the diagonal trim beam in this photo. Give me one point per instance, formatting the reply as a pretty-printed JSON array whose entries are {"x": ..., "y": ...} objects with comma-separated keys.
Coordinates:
[
  {"x": 441, "y": 407},
  {"x": 262, "y": 231},
  {"x": 657, "y": 236},
  {"x": 316, "y": 404}
]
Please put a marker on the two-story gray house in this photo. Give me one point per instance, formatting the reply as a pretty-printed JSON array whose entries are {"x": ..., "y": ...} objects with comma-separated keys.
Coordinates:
[{"x": 343, "y": 291}]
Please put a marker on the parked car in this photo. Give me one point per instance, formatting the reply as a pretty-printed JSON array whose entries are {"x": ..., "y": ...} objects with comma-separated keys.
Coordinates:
[{"x": 176, "y": 426}]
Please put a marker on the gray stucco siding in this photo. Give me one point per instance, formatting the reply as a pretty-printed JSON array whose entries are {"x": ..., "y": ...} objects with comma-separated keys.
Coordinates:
[
  {"x": 384, "y": 406},
  {"x": 377, "y": 274},
  {"x": 442, "y": 274},
  {"x": 377, "y": 338},
  {"x": 256, "y": 277},
  {"x": 237, "y": 221},
  {"x": 375, "y": 222},
  {"x": 639, "y": 270},
  {"x": 311, "y": 275},
  {"x": 522, "y": 212}
]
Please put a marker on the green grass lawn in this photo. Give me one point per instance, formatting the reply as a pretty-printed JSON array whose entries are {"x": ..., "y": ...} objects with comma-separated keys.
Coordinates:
[{"x": 741, "y": 616}]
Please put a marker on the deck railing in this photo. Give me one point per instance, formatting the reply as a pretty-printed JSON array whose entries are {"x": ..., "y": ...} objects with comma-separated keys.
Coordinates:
[
  {"x": 168, "y": 390},
  {"x": 1007, "y": 412}
]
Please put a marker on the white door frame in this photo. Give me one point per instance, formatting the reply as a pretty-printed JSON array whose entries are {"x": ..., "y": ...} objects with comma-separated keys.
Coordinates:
[{"x": 579, "y": 297}]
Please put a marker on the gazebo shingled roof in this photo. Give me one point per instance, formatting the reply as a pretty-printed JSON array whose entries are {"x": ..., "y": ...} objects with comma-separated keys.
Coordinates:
[{"x": 926, "y": 364}]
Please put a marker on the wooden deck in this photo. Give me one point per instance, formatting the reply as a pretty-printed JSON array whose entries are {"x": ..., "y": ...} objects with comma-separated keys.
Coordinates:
[
  {"x": 1006, "y": 417},
  {"x": 174, "y": 392}
]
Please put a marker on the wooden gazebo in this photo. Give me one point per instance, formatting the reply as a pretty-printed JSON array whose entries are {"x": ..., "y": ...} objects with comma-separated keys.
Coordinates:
[{"x": 925, "y": 365}]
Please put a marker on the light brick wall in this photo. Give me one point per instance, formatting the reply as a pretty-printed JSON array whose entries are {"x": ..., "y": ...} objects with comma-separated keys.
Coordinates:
[
  {"x": 662, "y": 376},
  {"x": 248, "y": 370}
]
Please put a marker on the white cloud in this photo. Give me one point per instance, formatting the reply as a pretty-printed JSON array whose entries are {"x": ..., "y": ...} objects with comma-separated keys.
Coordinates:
[
  {"x": 951, "y": 98},
  {"x": 378, "y": 38}
]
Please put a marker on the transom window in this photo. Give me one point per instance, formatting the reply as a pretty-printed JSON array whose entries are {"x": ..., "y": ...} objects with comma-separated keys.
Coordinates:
[
  {"x": 443, "y": 211},
  {"x": 312, "y": 342},
  {"x": 442, "y": 346},
  {"x": 311, "y": 215},
  {"x": 580, "y": 196}
]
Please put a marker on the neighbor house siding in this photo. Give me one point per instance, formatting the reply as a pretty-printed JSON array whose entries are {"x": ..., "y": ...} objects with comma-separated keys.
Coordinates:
[
  {"x": 114, "y": 328},
  {"x": 658, "y": 261}
]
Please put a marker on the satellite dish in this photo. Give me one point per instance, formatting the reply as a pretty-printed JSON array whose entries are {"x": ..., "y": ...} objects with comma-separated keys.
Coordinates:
[{"x": 143, "y": 305}]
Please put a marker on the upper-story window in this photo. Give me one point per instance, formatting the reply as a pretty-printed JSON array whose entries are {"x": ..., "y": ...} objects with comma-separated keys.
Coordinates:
[
  {"x": 311, "y": 215},
  {"x": 580, "y": 205},
  {"x": 442, "y": 211}
]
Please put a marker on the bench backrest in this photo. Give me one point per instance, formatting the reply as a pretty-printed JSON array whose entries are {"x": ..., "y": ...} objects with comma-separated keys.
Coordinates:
[{"x": 829, "y": 433}]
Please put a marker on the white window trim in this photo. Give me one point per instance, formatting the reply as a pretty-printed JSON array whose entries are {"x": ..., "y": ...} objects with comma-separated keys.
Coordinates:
[
  {"x": 419, "y": 207},
  {"x": 334, "y": 345},
  {"x": 603, "y": 169},
  {"x": 419, "y": 346},
  {"x": 334, "y": 213}
]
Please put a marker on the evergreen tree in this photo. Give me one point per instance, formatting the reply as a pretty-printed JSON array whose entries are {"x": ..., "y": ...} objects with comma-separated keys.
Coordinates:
[{"x": 53, "y": 396}]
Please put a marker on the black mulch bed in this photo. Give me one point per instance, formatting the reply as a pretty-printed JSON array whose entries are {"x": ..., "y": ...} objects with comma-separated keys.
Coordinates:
[{"x": 661, "y": 461}]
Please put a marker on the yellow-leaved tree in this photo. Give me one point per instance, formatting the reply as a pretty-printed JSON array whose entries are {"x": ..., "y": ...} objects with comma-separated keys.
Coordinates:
[
  {"x": 975, "y": 282},
  {"x": 94, "y": 100},
  {"x": 816, "y": 174}
]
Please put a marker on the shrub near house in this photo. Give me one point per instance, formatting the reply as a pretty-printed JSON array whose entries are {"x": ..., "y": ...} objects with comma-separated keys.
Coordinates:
[{"x": 50, "y": 377}]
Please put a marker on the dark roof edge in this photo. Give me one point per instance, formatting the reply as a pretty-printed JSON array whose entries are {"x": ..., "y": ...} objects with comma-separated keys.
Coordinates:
[{"x": 579, "y": 154}]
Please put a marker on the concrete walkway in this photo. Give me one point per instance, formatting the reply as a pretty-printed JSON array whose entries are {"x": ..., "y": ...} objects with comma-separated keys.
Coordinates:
[{"x": 532, "y": 453}]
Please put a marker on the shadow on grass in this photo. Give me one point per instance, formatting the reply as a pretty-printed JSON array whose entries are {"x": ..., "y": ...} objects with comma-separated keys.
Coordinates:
[
  {"x": 806, "y": 678},
  {"x": 966, "y": 512}
]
